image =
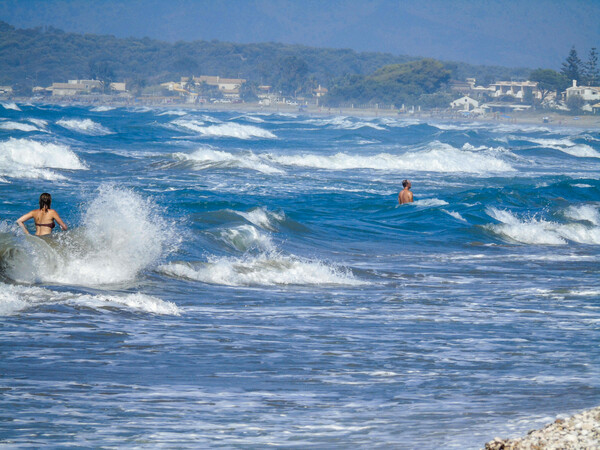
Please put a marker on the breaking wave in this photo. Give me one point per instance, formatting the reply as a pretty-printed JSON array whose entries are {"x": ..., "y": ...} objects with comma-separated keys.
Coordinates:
[
  {"x": 207, "y": 158},
  {"x": 120, "y": 235},
  {"x": 543, "y": 232},
  {"x": 85, "y": 126},
  {"x": 437, "y": 158},
  {"x": 25, "y": 158},
  {"x": 225, "y": 130}
]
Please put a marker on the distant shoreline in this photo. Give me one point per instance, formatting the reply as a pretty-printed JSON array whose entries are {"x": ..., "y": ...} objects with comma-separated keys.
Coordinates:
[{"x": 541, "y": 118}]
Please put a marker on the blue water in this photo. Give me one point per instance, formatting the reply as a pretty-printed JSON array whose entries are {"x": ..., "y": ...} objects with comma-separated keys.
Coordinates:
[{"x": 248, "y": 279}]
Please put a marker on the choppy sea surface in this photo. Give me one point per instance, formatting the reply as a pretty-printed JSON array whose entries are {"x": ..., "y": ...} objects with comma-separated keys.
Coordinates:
[{"x": 248, "y": 279}]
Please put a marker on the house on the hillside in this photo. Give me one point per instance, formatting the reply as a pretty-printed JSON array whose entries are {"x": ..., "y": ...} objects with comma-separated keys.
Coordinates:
[
  {"x": 517, "y": 89},
  {"x": 6, "y": 90},
  {"x": 596, "y": 108},
  {"x": 588, "y": 94},
  {"x": 229, "y": 87},
  {"x": 464, "y": 104},
  {"x": 75, "y": 87}
]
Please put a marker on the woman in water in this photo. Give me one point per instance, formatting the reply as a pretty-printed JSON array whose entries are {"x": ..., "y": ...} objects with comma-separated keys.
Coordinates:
[{"x": 44, "y": 217}]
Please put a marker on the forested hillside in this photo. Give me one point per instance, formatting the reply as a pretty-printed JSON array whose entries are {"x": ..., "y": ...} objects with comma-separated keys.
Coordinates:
[{"x": 40, "y": 56}]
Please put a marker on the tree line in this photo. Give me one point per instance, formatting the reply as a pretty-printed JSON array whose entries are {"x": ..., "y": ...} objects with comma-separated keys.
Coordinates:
[{"x": 43, "y": 55}]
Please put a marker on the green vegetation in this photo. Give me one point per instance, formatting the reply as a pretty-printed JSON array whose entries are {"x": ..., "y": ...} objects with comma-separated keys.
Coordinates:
[
  {"x": 394, "y": 84},
  {"x": 549, "y": 81},
  {"x": 41, "y": 56}
]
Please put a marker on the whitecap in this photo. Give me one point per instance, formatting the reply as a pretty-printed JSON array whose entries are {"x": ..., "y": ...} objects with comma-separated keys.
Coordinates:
[
  {"x": 430, "y": 202},
  {"x": 587, "y": 213},
  {"x": 25, "y": 158},
  {"x": 102, "y": 108},
  {"x": 85, "y": 126},
  {"x": 435, "y": 158},
  {"x": 10, "y": 105},
  {"x": 225, "y": 130},
  {"x": 17, "y": 126},
  {"x": 207, "y": 157},
  {"x": 541, "y": 232},
  {"x": 267, "y": 269},
  {"x": 18, "y": 298},
  {"x": 246, "y": 237}
]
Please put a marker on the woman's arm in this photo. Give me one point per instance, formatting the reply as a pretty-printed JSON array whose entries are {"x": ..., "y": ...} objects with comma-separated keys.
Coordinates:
[
  {"x": 60, "y": 222},
  {"x": 24, "y": 218}
]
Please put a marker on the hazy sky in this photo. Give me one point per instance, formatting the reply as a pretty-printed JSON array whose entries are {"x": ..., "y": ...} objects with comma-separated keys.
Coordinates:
[{"x": 528, "y": 33}]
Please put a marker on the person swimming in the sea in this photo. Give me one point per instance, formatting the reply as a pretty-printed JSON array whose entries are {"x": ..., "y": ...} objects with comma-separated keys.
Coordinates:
[
  {"x": 405, "y": 196},
  {"x": 44, "y": 217}
]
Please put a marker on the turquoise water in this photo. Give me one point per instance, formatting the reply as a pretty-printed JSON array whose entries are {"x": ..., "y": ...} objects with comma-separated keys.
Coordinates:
[{"x": 248, "y": 279}]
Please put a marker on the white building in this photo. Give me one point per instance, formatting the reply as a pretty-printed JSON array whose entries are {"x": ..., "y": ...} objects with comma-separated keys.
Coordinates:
[
  {"x": 589, "y": 94},
  {"x": 74, "y": 87},
  {"x": 516, "y": 89},
  {"x": 464, "y": 104}
]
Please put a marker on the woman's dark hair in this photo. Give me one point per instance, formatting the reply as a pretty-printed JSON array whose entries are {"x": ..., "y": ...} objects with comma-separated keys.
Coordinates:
[{"x": 45, "y": 201}]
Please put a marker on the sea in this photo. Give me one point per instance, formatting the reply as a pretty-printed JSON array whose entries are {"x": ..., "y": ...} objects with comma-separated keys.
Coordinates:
[{"x": 248, "y": 279}]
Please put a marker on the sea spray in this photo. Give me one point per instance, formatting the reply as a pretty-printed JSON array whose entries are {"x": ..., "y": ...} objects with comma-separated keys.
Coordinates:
[{"x": 121, "y": 234}]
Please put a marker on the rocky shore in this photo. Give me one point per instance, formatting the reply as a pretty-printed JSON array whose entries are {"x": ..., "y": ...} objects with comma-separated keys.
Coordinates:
[{"x": 578, "y": 432}]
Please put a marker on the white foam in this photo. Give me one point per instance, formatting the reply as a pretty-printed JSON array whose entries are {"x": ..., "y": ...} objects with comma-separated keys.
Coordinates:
[
  {"x": 344, "y": 123},
  {"x": 586, "y": 213},
  {"x": 262, "y": 217},
  {"x": 103, "y": 108},
  {"x": 17, "y": 298},
  {"x": 207, "y": 157},
  {"x": 541, "y": 232},
  {"x": 436, "y": 158},
  {"x": 430, "y": 202},
  {"x": 173, "y": 113},
  {"x": 567, "y": 146},
  {"x": 455, "y": 215},
  {"x": 246, "y": 237},
  {"x": 85, "y": 126},
  {"x": 25, "y": 158},
  {"x": 226, "y": 130},
  {"x": 10, "y": 105},
  {"x": 267, "y": 269},
  {"x": 583, "y": 186},
  {"x": 41, "y": 123},
  {"x": 17, "y": 126},
  {"x": 121, "y": 234}
]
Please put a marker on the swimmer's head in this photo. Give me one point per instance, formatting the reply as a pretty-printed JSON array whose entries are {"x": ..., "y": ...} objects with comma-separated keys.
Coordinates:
[
  {"x": 405, "y": 183},
  {"x": 45, "y": 201}
]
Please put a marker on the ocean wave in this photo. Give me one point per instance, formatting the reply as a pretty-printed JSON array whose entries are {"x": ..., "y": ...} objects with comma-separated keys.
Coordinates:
[
  {"x": 245, "y": 238},
  {"x": 266, "y": 269},
  {"x": 430, "y": 202},
  {"x": 172, "y": 112},
  {"x": 18, "y": 126},
  {"x": 121, "y": 235},
  {"x": 17, "y": 298},
  {"x": 539, "y": 231},
  {"x": 586, "y": 213},
  {"x": 567, "y": 146},
  {"x": 262, "y": 217},
  {"x": 85, "y": 126},
  {"x": 437, "y": 157},
  {"x": 103, "y": 108},
  {"x": 225, "y": 130},
  {"x": 207, "y": 157},
  {"x": 10, "y": 105},
  {"x": 344, "y": 123},
  {"x": 25, "y": 158}
]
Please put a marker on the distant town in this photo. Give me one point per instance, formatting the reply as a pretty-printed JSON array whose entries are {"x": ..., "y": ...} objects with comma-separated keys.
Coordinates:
[{"x": 471, "y": 98}]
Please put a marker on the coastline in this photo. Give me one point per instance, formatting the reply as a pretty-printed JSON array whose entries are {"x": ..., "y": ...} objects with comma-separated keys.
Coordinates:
[
  {"x": 534, "y": 118},
  {"x": 580, "y": 431}
]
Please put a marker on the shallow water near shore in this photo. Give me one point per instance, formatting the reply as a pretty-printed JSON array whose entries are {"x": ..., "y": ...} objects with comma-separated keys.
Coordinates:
[{"x": 243, "y": 279}]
